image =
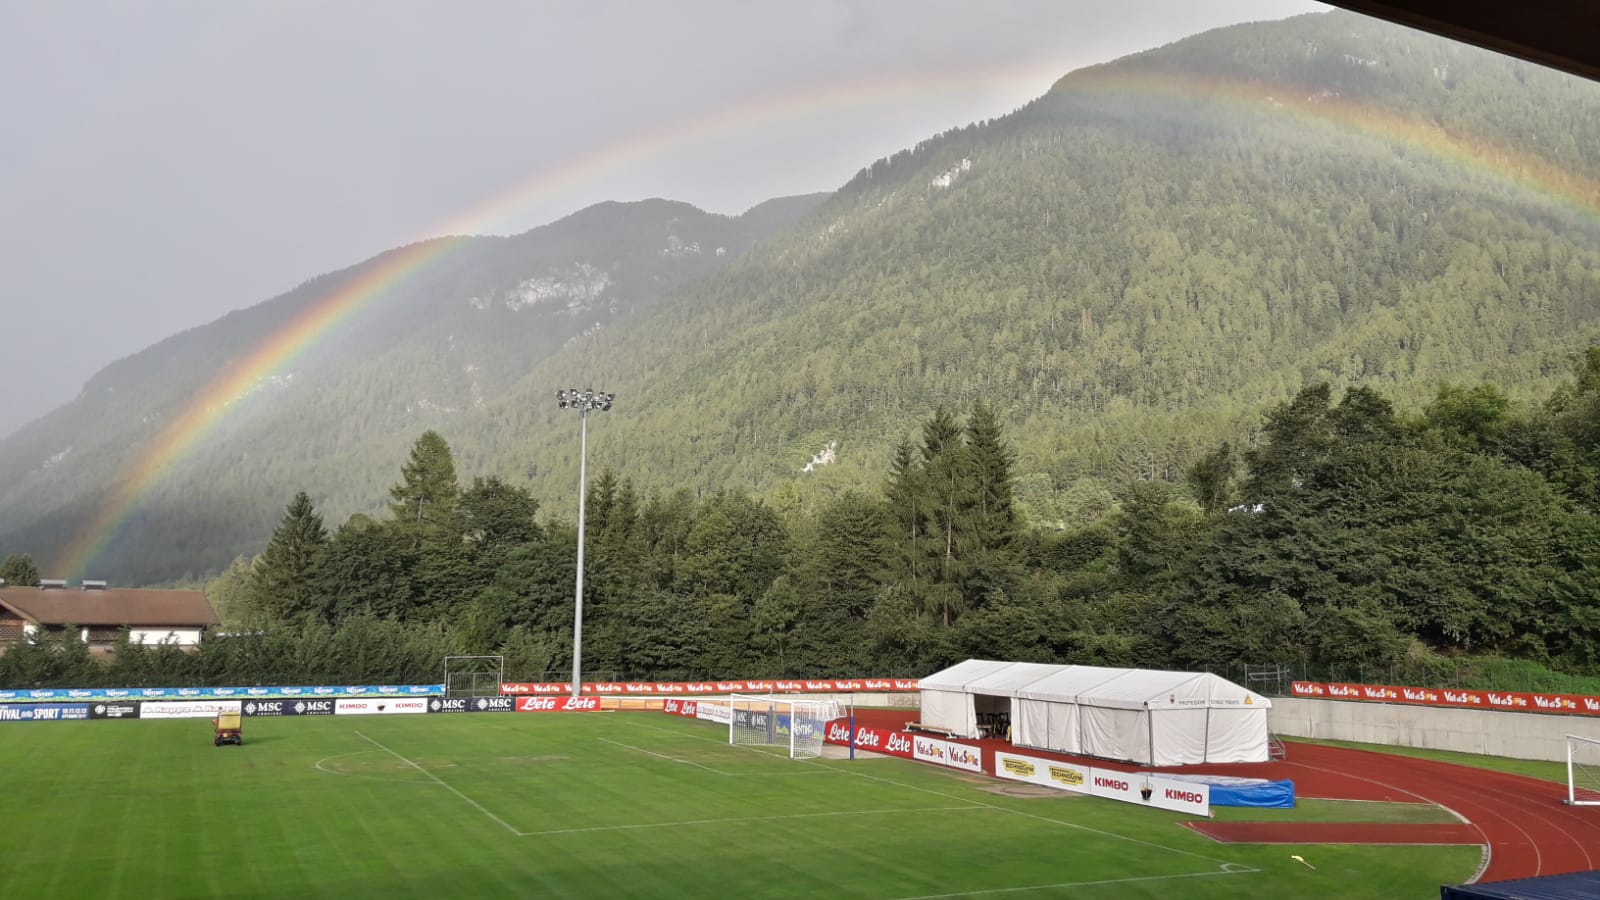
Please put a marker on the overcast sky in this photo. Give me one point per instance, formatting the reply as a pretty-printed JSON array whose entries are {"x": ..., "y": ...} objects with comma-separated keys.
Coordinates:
[{"x": 164, "y": 162}]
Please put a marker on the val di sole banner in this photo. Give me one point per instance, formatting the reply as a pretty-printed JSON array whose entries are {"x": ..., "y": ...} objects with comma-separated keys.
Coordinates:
[
  {"x": 223, "y": 693},
  {"x": 757, "y": 686},
  {"x": 1450, "y": 698}
]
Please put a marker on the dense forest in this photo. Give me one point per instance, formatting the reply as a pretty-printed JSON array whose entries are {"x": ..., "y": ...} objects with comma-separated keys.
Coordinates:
[{"x": 1347, "y": 539}]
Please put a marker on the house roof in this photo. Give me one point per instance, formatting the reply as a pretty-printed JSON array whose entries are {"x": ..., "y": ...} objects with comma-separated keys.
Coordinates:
[{"x": 111, "y": 606}]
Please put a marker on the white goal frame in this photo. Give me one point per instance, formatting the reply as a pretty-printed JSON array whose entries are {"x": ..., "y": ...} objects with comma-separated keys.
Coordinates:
[
  {"x": 777, "y": 725},
  {"x": 473, "y": 676},
  {"x": 1583, "y": 770}
]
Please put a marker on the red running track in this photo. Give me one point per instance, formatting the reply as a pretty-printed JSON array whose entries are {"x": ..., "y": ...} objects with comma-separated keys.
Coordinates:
[{"x": 1522, "y": 821}]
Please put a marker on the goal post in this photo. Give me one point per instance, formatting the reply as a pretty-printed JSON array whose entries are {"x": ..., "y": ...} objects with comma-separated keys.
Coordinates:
[
  {"x": 1583, "y": 770},
  {"x": 795, "y": 726},
  {"x": 473, "y": 676}
]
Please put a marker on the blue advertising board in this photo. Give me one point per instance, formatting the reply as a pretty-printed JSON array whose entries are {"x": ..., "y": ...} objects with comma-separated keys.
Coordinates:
[{"x": 220, "y": 693}]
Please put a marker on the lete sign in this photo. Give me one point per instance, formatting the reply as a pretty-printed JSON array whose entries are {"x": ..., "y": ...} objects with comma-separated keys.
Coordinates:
[
  {"x": 1567, "y": 704},
  {"x": 558, "y": 704}
]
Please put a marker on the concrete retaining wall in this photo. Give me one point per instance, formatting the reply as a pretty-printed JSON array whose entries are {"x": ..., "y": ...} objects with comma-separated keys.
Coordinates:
[{"x": 1490, "y": 732}]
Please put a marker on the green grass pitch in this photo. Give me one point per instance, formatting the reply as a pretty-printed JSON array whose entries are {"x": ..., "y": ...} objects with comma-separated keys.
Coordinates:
[{"x": 591, "y": 805}]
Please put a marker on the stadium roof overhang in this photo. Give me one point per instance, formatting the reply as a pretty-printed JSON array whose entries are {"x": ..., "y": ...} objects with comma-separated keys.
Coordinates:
[{"x": 1561, "y": 34}]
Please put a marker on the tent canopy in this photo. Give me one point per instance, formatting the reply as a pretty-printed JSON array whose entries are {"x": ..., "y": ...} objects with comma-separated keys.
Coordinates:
[{"x": 958, "y": 676}]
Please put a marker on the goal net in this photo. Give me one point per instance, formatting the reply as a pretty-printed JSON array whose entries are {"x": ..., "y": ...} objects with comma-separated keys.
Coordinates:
[
  {"x": 1583, "y": 770},
  {"x": 794, "y": 726},
  {"x": 473, "y": 676}
]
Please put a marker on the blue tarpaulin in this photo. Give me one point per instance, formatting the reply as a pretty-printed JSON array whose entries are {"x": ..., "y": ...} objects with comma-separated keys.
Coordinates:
[
  {"x": 1231, "y": 790},
  {"x": 1574, "y": 886}
]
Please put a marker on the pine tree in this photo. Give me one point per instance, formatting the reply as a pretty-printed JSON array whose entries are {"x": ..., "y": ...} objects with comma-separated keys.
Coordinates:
[
  {"x": 425, "y": 501},
  {"x": 19, "y": 571},
  {"x": 283, "y": 584}
]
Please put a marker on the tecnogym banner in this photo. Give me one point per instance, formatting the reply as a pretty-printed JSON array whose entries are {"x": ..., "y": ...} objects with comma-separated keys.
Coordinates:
[
  {"x": 1513, "y": 701},
  {"x": 659, "y": 688},
  {"x": 1130, "y": 787},
  {"x": 43, "y": 712}
]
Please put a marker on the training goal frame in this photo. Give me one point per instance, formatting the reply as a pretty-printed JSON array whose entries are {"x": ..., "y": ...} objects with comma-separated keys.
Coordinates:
[
  {"x": 1583, "y": 770},
  {"x": 796, "y": 725},
  {"x": 473, "y": 676}
]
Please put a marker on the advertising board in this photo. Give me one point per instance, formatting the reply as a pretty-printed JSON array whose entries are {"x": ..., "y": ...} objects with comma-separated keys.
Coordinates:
[
  {"x": 558, "y": 704},
  {"x": 187, "y": 709},
  {"x": 756, "y": 686},
  {"x": 380, "y": 706},
  {"x": 114, "y": 709},
  {"x": 217, "y": 693},
  {"x": 1512, "y": 701},
  {"x": 1141, "y": 788},
  {"x": 43, "y": 712}
]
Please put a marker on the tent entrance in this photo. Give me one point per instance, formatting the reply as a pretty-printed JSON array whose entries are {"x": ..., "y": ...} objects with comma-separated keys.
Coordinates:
[{"x": 994, "y": 716}]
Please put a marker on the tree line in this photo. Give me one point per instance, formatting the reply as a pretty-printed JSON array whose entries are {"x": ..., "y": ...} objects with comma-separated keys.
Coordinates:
[{"x": 1346, "y": 535}]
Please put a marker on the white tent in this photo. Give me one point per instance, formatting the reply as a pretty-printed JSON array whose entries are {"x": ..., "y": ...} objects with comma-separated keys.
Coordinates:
[
  {"x": 1139, "y": 715},
  {"x": 945, "y": 702}
]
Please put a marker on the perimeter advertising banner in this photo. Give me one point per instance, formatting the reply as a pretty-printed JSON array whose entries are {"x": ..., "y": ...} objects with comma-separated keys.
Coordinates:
[
  {"x": 114, "y": 709},
  {"x": 43, "y": 712},
  {"x": 659, "y": 688},
  {"x": 558, "y": 704},
  {"x": 312, "y": 707},
  {"x": 379, "y": 706},
  {"x": 1138, "y": 788},
  {"x": 471, "y": 704},
  {"x": 223, "y": 693},
  {"x": 1564, "y": 704},
  {"x": 187, "y": 709}
]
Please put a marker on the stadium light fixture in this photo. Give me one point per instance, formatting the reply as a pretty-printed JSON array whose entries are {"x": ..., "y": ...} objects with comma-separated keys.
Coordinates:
[{"x": 584, "y": 402}]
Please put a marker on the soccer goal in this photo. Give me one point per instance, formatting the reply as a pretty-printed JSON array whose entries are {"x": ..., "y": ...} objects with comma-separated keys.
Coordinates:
[
  {"x": 1583, "y": 770},
  {"x": 793, "y": 725},
  {"x": 473, "y": 676}
]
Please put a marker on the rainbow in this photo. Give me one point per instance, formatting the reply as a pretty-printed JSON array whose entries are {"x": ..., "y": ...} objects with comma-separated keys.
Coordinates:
[
  {"x": 208, "y": 407},
  {"x": 322, "y": 317}
]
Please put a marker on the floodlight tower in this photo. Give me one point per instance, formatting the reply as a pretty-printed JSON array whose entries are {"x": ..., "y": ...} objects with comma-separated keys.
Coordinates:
[{"x": 583, "y": 401}]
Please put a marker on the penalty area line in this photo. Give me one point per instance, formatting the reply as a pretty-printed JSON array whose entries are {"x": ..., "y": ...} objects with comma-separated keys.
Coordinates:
[
  {"x": 440, "y": 782},
  {"x": 662, "y": 756},
  {"x": 1229, "y": 869}
]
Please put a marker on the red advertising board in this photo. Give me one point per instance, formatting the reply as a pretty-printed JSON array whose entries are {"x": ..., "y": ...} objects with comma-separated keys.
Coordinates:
[
  {"x": 1567, "y": 704},
  {"x": 558, "y": 704},
  {"x": 748, "y": 686}
]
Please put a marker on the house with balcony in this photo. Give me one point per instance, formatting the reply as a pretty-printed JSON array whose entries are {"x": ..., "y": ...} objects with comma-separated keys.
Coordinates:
[{"x": 97, "y": 613}]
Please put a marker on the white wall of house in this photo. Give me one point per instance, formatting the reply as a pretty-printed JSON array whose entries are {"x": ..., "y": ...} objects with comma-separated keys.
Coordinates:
[{"x": 157, "y": 634}]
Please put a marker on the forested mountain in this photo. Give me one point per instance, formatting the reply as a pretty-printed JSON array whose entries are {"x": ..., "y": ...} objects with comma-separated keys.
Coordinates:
[
  {"x": 436, "y": 349},
  {"x": 1128, "y": 271},
  {"x": 1134, "y": 267}
]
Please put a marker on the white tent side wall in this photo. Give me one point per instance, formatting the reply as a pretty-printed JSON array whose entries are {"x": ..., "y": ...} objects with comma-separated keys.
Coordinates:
[
  {"x": 950, "y": 711},
  {"x": 1180, "y": 736},
  {"x": 1116, "y": 733},
  {"x": 1237, "y": 735}
]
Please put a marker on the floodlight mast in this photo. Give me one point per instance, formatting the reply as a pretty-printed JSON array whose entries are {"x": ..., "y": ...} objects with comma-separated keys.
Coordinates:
[{"x": 583, "y": 401}]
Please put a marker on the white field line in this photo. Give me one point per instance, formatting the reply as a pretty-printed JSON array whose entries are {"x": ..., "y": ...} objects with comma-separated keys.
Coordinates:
[
  {"x": 1226, "y": 870},
  {"x": 662, "y": 756},
  {"x": 980, "y": 804},
  {"x": 436, "y": 780},
  {"x": 857, "y": 812}
]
